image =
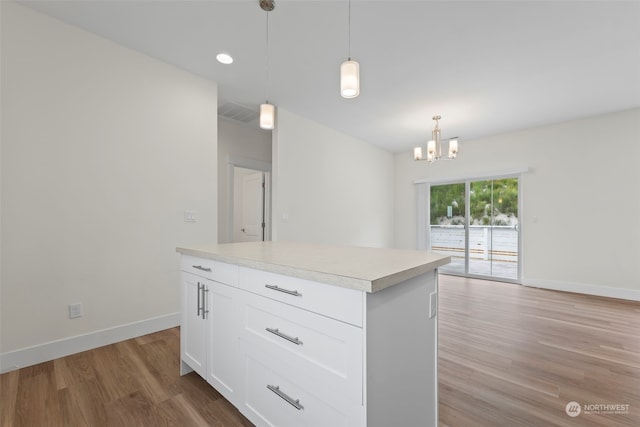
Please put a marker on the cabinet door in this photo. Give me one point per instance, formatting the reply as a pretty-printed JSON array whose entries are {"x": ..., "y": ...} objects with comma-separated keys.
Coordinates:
[
  {"x": 223, "y": 314},
  {"x": 193, "y": 331}
]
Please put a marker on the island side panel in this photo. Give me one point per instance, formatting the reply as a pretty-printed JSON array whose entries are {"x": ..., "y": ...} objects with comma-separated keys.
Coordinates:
[{"x": 401, "y": 355}]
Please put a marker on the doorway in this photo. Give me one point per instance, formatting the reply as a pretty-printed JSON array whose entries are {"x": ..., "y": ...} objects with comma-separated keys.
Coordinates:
[
  {"x": 249, "y": 205},
  {"x": 476, "y": 222},
  {"x": 249, "y": 201}
]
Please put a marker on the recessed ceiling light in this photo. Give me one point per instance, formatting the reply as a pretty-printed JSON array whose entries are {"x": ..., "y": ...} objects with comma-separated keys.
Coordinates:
[{"x": 224, "y": 58}]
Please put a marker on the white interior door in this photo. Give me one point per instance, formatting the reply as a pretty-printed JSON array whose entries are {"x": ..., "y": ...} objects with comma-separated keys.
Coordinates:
[{"x": 252, "y": 207}]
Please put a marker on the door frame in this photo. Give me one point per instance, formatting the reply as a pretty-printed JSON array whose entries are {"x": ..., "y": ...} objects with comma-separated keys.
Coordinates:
[
  {"x": 259, "y": 166},
  {"x": 423, "y": 199}
]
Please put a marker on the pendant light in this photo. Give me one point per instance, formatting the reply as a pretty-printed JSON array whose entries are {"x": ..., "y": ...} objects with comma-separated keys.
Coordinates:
[
  {"x": 267, "y": 111},
  {"x": 349, "y": 71}
]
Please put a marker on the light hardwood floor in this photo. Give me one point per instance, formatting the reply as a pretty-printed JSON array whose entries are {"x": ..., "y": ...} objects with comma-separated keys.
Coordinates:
[{"x": 509, "y": 356}]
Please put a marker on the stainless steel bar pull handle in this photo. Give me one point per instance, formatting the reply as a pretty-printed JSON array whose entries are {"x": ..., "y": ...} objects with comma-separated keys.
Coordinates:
[
  {"x": 295, "y": 403},
  {"x": 286, "y": 291},
  {"x": 295, "y": 340},
  {"x": 199, "y": 299},
  {"x": 204, "y": 302},
  {"x": 199, "y": 267}
]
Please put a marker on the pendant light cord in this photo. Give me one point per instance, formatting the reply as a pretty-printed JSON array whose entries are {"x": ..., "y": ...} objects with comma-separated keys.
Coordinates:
[
  {"x": 267, "y": 60},
  {"x": 349, "y": 32}
]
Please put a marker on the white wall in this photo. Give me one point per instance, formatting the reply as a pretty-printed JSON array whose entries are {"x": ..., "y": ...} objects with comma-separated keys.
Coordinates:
[
  {"x": 102, "y": 151},
  {"x": 251, "y": 147},
  {"x": 579, "y": 222},
  {"x": 331, "y": 187}
]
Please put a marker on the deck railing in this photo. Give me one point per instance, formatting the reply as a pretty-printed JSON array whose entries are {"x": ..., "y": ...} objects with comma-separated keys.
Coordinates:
[{"x": 486, "y": 242}]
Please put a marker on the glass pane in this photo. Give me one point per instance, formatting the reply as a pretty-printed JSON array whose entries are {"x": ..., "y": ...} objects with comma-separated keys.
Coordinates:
[
  {"x": 493, "y": 231},
  {"x": 505, "y": 234},
  {"x": 447, "y": 224}
]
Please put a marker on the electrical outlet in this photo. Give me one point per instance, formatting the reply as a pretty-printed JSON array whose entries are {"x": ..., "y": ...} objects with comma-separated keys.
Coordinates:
[
  {"x": 433, "y": 304},
  {"x": 75, "y": 310}
]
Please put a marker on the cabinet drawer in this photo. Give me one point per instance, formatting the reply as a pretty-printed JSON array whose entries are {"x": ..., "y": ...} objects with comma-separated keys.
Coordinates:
[
  {"x": 273, "y": 398},
  {"x": 210, "y": 269},
  {"x": 328, "y": 300},
  {"x": 328, "y": 352}
]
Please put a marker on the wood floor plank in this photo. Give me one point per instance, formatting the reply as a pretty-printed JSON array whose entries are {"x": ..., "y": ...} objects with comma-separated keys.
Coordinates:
[
  {"x": 8, "y": 398},
  {"x": 179, "y": 411},
  {"x": 91, "y": 397},
  {"x": 70, "y": 411},
  {"x": 149, "y": 382},
  {"x": 37, "y": 400},
  {"x": 79, "y": 367},
  {"x": 133, "y": 410}
]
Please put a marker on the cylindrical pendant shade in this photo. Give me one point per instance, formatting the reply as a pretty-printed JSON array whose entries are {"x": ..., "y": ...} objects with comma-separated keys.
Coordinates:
[
  {"x": 349, "y": 79},
  {"x": 267, "y": 116},
  {"x": 453, "y": 148},
  {"x": 417, "y": 153},
  {"x": 431, "y": 147}
]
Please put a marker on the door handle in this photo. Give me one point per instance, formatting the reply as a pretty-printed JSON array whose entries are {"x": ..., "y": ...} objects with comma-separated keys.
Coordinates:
[
  {"x": 199, "y": 299},
  {"x": 284, "y": 396},
  {"x": 204, "y": 302},
  {"x": 286, "y": 291},
  {"x": 276, "y": 332}
]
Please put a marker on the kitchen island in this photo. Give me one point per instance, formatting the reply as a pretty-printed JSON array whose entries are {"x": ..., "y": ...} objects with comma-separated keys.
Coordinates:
[{"x": 297, "y": 334}]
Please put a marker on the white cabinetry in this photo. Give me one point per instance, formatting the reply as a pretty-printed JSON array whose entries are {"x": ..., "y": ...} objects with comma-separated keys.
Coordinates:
[
  {"x": 302, "y": 367},
  {"x": 294, "y": 352},
  {"x": 223, "y": 368},
  {"x": 210, "y": 325},
  {"x": 193, "y": 333}
]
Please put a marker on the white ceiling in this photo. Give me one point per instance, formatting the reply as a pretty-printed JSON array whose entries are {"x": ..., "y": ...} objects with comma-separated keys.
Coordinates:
[{"x": 487, "y": 67}]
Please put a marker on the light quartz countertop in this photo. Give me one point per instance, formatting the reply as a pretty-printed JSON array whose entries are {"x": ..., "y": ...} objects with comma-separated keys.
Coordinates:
[{"x": 360, "y": 268}]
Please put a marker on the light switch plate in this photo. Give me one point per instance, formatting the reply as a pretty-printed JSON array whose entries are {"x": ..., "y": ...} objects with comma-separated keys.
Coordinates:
[{"x": 189, "y": 216}]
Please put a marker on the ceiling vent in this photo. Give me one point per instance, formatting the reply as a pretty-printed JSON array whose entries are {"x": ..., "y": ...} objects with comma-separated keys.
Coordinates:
[{"x": 237, "y": 112}]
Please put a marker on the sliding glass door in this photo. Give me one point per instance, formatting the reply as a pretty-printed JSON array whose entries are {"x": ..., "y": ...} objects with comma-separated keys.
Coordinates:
[{"x": 476, "y": 223}]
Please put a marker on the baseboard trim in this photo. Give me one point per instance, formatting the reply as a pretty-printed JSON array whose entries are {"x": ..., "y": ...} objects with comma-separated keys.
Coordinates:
[
  {"x": 55, "y": 349},
  {"x": 584, "y": 288}
]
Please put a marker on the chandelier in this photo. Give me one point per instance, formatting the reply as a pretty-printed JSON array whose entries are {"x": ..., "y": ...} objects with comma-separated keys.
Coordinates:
[{"x": 434, "y": 146}]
